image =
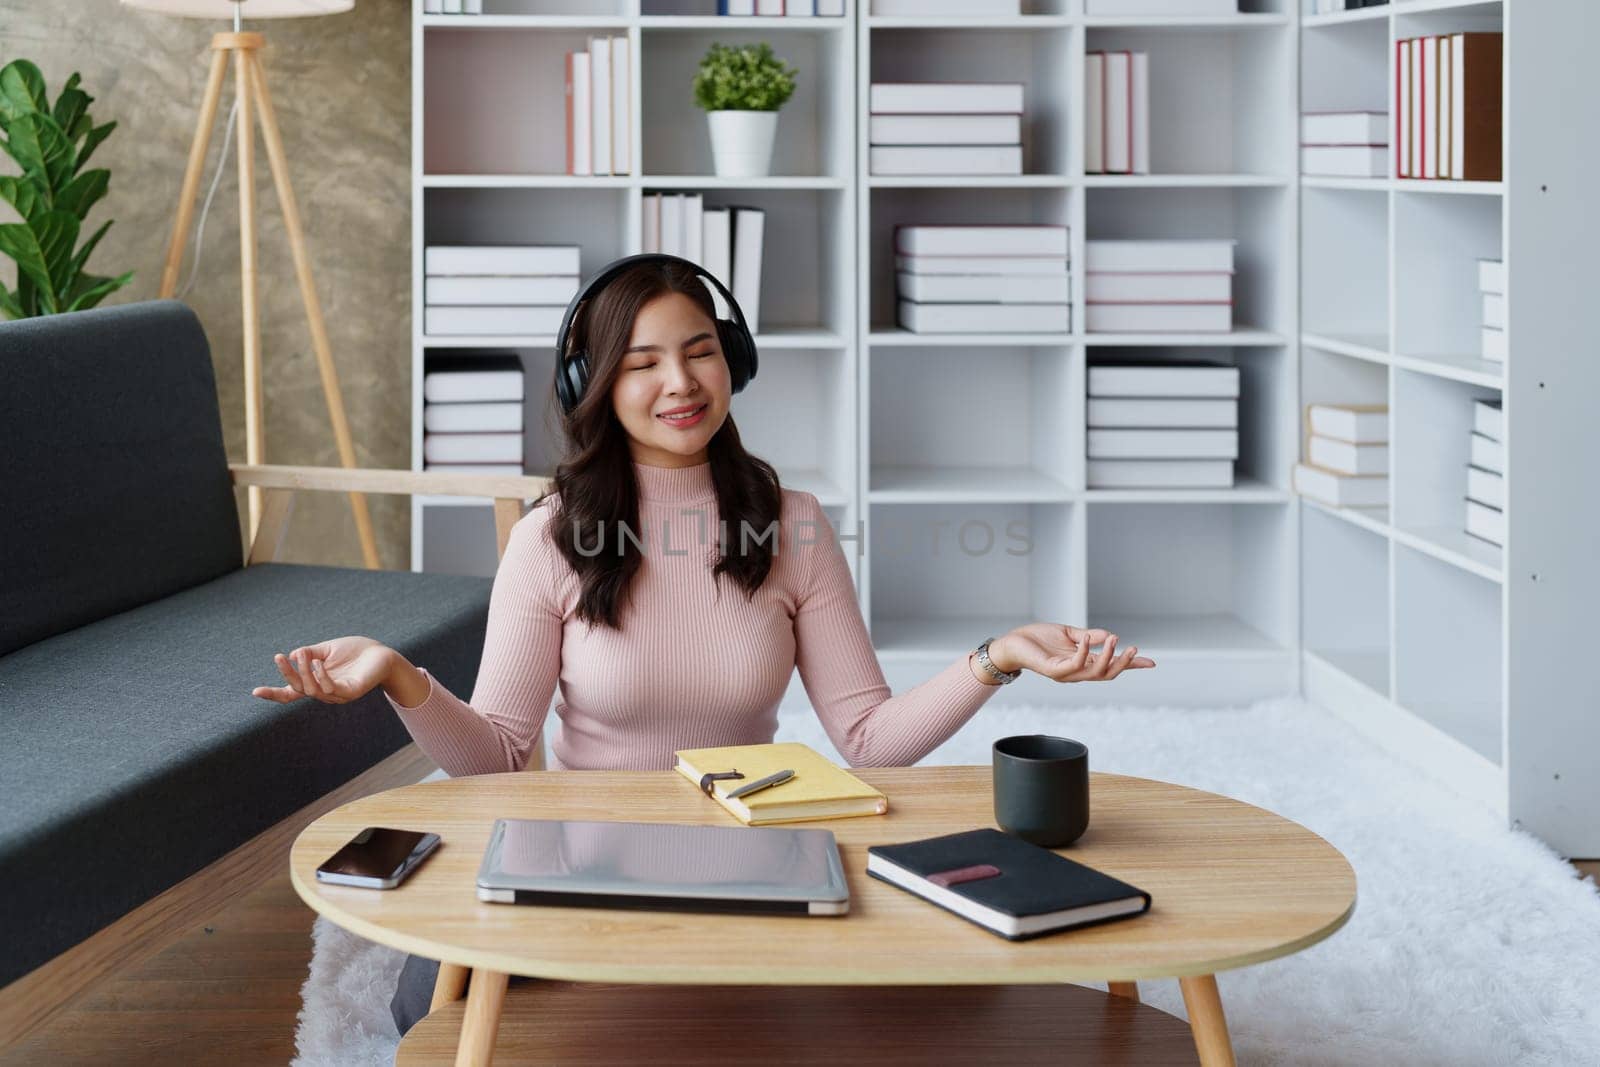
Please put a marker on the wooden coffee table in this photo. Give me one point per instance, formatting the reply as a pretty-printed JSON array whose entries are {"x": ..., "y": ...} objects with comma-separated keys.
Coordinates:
[{"x": 1232, "y": 885}]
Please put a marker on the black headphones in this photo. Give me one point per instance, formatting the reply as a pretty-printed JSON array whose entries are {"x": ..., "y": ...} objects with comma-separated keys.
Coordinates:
[{"x": 572, "y": 368}]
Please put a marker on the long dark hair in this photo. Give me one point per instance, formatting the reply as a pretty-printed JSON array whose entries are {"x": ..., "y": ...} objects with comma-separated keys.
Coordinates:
[{"x": 599, "y": 497}]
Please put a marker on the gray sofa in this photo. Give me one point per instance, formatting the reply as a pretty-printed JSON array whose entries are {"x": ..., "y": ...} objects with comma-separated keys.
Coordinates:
[{"x": 132, "y": 631}]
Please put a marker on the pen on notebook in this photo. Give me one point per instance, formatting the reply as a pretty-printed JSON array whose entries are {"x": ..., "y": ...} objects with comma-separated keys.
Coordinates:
[{"x": 761, "y": 783}]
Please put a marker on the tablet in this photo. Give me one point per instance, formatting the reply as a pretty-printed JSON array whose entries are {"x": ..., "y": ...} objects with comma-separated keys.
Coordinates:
[{"x": 668, "y": 866}]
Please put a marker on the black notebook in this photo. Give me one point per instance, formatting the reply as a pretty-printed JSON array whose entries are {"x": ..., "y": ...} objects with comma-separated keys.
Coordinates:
[{"x": 1005, "y": 884}]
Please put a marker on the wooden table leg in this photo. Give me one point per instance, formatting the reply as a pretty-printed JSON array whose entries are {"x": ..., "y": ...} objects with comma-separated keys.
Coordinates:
[
  {"x": 1210, "y": 1026},
  {"x": 448, "y": 987},
  {"x": 1124, "y": 989},
  {"x": 486, "y": 993}
]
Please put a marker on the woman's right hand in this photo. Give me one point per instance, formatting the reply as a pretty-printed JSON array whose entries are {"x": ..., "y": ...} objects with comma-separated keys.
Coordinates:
[{"x": 334, "y": 672}]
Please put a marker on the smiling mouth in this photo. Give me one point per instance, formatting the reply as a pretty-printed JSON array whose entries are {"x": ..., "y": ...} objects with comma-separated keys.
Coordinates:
[{"x": 684, "y": 415}]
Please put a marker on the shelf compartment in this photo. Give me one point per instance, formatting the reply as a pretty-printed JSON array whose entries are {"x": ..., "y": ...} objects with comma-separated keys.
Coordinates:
[
  {"x": 1438, "y": 308},
  {"x": 593, "y": 219},
  {"x": 1256, "y": 218},
  {"x": 814, "y": 129},
  {"x": 799, "y": 415},
  {"x": 928, "y": 424},
  {"x": 541, "y": 424},
  {"x": 1268, "y": 420},
  {"x": 469, "y": 129},
  {"x": 945, "y": 576},
  {"x": 1344, "y": 264},
  {"x": 891, "y": 207},
  {"x": 1345, "y": 596},
  {"x": 1193, "y": 579},
  {"x": 1230, "y": 128},
  {"x": 1014, "y": 51},
  {"x": 1347, "y": 67},
  {"x": 802, "y": 294},
  {"x": 1448, "y": 640},
  {"x": 1430, "y": 447}
]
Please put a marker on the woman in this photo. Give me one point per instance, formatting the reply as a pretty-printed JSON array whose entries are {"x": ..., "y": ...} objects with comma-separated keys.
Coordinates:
[{"x": 650, "y": 584}]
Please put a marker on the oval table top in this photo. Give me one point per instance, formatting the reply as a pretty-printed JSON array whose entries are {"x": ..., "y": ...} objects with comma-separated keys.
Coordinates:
[{"x": 1231, "y": 884}]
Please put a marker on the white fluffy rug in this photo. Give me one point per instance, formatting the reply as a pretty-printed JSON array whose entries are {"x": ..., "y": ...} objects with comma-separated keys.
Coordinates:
[{"x": 1470, "y": 944}]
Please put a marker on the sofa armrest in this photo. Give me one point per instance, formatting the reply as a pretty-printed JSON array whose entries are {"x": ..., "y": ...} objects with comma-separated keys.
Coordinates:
[{"x": 508, "y": 492}]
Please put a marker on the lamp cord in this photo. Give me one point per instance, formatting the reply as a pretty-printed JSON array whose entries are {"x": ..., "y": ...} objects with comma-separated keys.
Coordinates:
[{"x": 200, "y": 227}]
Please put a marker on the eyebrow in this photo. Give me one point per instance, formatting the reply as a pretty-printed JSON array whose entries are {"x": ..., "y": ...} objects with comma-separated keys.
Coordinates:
[{"x": 657, "y": 348}]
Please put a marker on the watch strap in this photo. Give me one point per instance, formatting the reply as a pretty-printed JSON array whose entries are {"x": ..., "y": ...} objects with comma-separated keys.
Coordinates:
[{"x": 982, "y": 652}]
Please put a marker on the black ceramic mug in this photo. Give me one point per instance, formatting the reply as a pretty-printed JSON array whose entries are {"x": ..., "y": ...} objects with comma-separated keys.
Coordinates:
[{"x": 1041, "y": 788}]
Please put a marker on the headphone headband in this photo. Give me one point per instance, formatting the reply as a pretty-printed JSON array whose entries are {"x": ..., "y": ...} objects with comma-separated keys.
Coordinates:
[{"x": 572, "y": 370}]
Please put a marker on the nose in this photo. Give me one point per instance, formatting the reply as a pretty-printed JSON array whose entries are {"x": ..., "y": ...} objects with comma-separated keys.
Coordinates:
[{"x": 679, "y": 380}]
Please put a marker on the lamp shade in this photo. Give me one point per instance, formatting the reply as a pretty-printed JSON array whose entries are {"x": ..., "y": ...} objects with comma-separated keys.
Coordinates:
[{"x": 250, "y": 9}]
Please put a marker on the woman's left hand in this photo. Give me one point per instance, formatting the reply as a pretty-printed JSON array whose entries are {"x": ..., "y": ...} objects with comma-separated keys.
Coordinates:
[{"x": 1062, "y": 653}]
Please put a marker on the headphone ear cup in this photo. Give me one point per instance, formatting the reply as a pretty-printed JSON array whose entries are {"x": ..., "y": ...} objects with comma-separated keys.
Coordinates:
[
  {"x": 740, "y": 353},
  {"x": 573, "y": 380}
]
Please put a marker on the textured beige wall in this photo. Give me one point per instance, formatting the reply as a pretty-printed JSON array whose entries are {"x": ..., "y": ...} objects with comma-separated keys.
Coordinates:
[{"x": 341, "y": 86}]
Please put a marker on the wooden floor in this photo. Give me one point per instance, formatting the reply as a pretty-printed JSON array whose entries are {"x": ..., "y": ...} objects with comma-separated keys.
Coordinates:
[{"x": 227, "y": 991}]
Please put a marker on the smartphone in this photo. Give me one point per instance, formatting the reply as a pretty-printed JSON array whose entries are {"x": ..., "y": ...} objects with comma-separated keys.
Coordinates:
[{"x": 378, "y": 857}]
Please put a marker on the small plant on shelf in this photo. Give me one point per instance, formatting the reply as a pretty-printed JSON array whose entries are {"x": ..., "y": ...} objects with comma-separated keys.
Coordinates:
[{"x": 741, "y": 89}]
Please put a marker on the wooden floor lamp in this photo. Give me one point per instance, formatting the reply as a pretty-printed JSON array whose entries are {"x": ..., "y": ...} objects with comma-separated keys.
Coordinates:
[{"x": 255, "y": 103}]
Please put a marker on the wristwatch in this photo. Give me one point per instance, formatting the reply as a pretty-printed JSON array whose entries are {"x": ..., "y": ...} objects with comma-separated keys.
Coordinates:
[{"x": 988, "y": 664}]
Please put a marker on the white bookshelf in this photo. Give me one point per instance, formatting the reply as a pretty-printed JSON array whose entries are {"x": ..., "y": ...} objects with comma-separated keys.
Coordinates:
[
  {"x": 1442, "y": 647},
  {"x": 1202, "y": 580},
  {"x": 1347, "y": 289}
]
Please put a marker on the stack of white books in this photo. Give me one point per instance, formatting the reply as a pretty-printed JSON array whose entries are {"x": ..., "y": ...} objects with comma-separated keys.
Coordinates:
[
  {"x": 982, "y": 279},
  {"x": 1159, "y": 286},
  {"x": 452, "y": 7},
  {"x": 945, "y": 128},
  {"x": 1162, "y": 426},
  {"x": 1116, "y": 103},
  {"x": 599, "y": 122},
  {"x": 1345, "y": 144},
  {"x": 1486, "y": 473},
  {"x": 472, "y": 415},
  {"x": 1161, "y": 7},
  {"x": 477, "y": 290},
  {"x": 726, "y": 241},
  {"x": 1492, "y": 284},
  {"x": 1346, "y": 456}
]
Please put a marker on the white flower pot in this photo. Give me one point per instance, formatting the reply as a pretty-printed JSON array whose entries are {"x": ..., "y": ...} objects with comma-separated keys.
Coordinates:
[{"x": 741, "y": 142}]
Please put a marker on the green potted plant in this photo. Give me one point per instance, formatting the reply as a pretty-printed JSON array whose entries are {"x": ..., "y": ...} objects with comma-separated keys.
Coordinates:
[
  {"x": 741, "y": 89},
  {"x": 53, "y": 194}
]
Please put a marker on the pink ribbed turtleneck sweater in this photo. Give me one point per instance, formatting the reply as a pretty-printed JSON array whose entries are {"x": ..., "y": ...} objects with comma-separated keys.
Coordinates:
[{"x": 688, "y": 669}]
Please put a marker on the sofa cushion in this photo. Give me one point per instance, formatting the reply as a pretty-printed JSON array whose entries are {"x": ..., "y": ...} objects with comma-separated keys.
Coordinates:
[
  {"x": 112, "y": 469},
  {"x": 132, "y": 753}
]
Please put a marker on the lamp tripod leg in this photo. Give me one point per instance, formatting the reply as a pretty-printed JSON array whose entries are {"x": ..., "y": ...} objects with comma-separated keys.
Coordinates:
[
  {"x": 254, "y": 423},
  {"x": 191, "y": 173},
  {"x": 308, "y": 295}
]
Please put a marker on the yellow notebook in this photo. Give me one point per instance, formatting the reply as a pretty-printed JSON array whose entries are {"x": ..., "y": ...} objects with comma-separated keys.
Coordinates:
[{"x": 820, "y": 789}]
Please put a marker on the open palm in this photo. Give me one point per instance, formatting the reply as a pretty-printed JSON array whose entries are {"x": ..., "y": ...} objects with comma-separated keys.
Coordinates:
[
  {"x": 1064, "y": 653},
  {"x": 334, "y": 672}
]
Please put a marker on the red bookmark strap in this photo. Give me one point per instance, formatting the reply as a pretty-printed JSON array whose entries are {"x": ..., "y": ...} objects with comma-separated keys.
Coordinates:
[{"x": 964, "y": 874}]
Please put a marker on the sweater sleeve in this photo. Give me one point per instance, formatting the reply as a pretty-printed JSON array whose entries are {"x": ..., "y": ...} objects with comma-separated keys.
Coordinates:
[
  {"x": 842, "y": 676},
  {"x": 517, "y": 674}
]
